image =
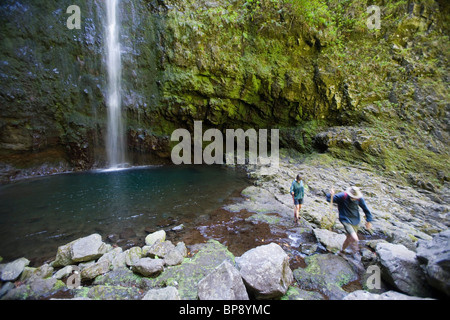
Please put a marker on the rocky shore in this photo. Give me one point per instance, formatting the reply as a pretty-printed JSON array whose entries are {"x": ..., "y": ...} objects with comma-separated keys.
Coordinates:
[{"x": 405, "y": 256}]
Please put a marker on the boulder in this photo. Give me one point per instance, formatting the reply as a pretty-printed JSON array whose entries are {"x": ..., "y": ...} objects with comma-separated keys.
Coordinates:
[
  {"x": 148, "y": 267},
  {"x": 173, "y": 258},
  {"x": 187, "y": 275},
  {"x": 105, "y": 292},
  {"x": 389, "y": 295},
  {"x": 64, "y": 272},
  {"x": 326, "y": 273},
  {"x": 435, "y": 256},
  {"x": 167, "y": 293},
  {"x": 94, "y": 270},
  {"x": 295, "y": 293},
  {"x": 331, "y": 240},
  {"x": 84, "y": 249},
  {"x": 224, "y": 283},
  {"x": 158, "y": 249},
  {"x": 36, "y": 289},
  {"x": 181, "y": 248},
  {"x": 152, "y": 238},
  {"x": 265, "y": 270},
  {"x": 133, "y": 255},
  {"x": 44, "y": 271},
  {"x": 111, "y": 255},
  {"x": 12, "y": 270},
  {"x": 400, "y": 267}
]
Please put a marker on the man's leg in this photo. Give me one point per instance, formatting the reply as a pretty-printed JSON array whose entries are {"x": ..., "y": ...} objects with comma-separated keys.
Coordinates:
[
  {"x": 352, "y": 238},
  {"x": 296, "y": 208}
]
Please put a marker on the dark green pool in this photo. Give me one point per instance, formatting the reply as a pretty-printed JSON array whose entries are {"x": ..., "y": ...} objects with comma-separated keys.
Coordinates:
[{"x": 38, "y": 215}]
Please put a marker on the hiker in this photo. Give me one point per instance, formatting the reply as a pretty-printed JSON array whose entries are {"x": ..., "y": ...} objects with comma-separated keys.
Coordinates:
[
  {"x": 298, "y": 192},
  {"x": 348, "y": 203}
]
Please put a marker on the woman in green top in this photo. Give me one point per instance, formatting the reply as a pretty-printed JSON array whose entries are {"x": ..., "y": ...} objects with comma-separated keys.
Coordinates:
[{"x": 298, "y": 192}]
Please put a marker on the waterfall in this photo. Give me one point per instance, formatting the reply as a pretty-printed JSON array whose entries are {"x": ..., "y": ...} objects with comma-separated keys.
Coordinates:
[{"x": 115, "y": 144}]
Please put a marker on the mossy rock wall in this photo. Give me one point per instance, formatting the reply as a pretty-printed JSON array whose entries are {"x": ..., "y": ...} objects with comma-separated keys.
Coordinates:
[{"x": 231, "y": 64}]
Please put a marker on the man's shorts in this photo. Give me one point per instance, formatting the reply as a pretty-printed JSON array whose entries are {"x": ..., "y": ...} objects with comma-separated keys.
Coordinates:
[
  {"x": 349, "y": 228},
  {"x": 298, "y": 201}
]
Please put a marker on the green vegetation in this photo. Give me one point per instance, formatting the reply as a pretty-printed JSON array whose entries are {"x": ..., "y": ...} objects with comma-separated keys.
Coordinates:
[{"x": 300, "y": 66}]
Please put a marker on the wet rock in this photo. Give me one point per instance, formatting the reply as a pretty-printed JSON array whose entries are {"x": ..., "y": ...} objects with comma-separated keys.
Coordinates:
[
  {"x": 178, "y": 228},
  {"x": 401, "y": 268},
  {"x": 435, "y": 256},
  {"x": 326, "y": 273},
  {"x": 389, "y": 295},
  {"x": 265, "y": 270},
  {"x": 12, "y": 270},
  {"x": 167, "y": 293},
  {"x": 223, "y": 283},
  {"x": 148, "y": 267},
  {"x": 331, "y": 240}
]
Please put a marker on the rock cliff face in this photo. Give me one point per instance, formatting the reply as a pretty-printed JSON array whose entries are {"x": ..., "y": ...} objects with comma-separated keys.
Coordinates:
[{"x": 314, "y": 71}]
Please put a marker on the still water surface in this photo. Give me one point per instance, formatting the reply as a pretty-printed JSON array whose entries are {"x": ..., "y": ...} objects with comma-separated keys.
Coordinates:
[{"x": 38, "y": 215}]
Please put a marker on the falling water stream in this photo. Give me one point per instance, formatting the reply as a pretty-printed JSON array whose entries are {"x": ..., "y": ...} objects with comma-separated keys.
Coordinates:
[{"x": 115, "y": 144}]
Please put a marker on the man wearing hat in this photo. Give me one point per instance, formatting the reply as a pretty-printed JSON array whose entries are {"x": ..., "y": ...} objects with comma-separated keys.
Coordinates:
[{"x": 348, "y": 206}]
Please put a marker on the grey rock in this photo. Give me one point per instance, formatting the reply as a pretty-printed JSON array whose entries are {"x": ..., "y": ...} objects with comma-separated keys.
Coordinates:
[
  {"x": 295, "y": 293},
  {"x": 173, "y": 258},
  {"x": 187, "y": 275},
  {"x": 12, "y": 270},
  {"x": 389, "y": 295},
  {"x": 159, "y": 249},
  {"x": 148, "y": 267},
  {"x": 5, "y": 288},
  {"x": 167, "y": 293},
  {"x": 326, "y": 273},
  {"x": 224, "y": 283},
  {"x": 80, "y": 250},
  {"x": 133, "y": 255},
  {"x": 265, "y": 270},
  {"x": 35, "y": 289},
  {"x": 158, "y": 236},
  {"x": 435, "y": 255},
  {"x": 105, "y": 292},
  {"x": 88, "y": 248},
  {"x": 178, "y": 228},
  {"x": 181, "y": 247},
  {"x": 95, "y": 270},
  {"x": 64, "y": 272},
  {"x": 400, "y": 267},
  {"x": 331, "y": 240}
]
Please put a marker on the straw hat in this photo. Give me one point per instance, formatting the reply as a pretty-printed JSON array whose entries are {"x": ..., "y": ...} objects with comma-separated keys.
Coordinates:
[{"x": 354, "y": 192}]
